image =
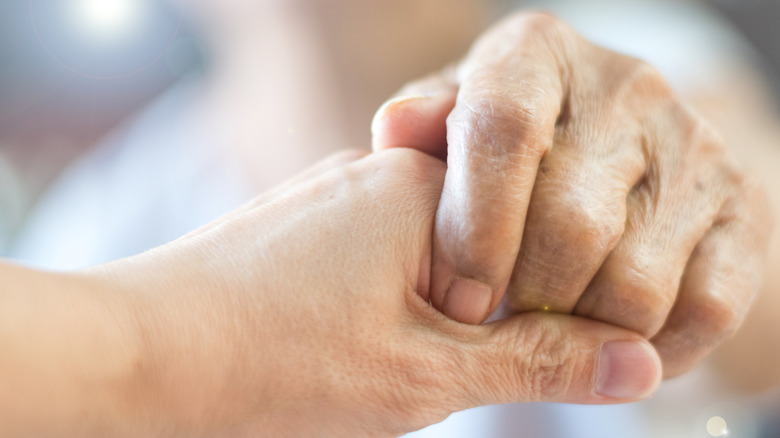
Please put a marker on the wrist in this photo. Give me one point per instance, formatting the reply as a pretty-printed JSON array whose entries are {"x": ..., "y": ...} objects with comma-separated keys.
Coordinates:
[
  {"x": 193, "y": 369},
  {"x": 67, "y": 355}
]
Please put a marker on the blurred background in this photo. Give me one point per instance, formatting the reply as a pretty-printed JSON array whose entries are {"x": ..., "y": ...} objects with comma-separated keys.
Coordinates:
[{"x": 126, "y": 123}]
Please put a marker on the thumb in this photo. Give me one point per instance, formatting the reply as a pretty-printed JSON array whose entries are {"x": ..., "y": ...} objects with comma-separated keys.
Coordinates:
[
  {"x": 416, "y": 117},
  {"x": 557, "y": 358}
]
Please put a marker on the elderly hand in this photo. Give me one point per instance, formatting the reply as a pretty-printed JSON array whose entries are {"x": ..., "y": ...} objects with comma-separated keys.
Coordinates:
[
  {"x": 295, "y": 316},
  {"x": 578, "y": 183}
]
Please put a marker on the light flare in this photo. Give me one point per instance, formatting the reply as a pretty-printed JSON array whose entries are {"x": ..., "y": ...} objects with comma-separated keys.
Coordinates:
[
  {"x": 108, "y": 18},
  {"x": 716, "y": 426}
]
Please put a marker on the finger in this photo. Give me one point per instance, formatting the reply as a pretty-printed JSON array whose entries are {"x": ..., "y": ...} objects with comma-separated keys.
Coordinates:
[
  {"x": 577, "y": 212},
  {"x": 576, "y": 217},
  {"x": 416, "y": 117},
  {"x": 501, "y": 127},
  {"x": 555, "y": 358},
  {"x": 719, "y": 285},
  {"x": 668, "y": 214}
]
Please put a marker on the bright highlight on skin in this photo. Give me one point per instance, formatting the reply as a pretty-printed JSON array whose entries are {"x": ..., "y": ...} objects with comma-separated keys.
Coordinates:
[
  {"x": 108, "y": 18},
  {"x": 716, "y": 426}
]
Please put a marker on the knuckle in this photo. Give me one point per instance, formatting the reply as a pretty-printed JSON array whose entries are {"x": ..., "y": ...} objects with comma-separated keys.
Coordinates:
[
  {"x": 551, "y": 373},
  {"x": 717, "y": 318},
  {"x": 642, "y": 83},
  {"x": 644, "y": 298},
  {"x": 549, "y": 369},
  {"x": 748, "y": 202},
  {"x": 541, "y": 24},
  {"x": 579, "y": 220},
  {"x": 495, "y": 108},
  {"x": 705, "y": 157},
  {"x": 499, "y": 121},
  {"x": 679, "y": 354},
  {"x": 701, "y": 136},
  {"x": 538, "y": 20},
  {"x": 701, "y": 144},
  {"x": 542, "y": 365},
  {"x": 645, "y": 73}
]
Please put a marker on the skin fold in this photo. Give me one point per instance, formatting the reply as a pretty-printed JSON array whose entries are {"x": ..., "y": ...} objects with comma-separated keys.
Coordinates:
[
  {"x": 297, "y": 315},
  {"x": 578, "y": 182}
]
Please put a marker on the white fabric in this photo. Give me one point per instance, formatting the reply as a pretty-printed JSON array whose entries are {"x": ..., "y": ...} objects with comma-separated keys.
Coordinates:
[{"x": 148, "y": 184}]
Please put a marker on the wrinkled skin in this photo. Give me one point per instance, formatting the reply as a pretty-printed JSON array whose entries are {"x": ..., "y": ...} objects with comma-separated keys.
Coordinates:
[
  {"x": 579, "y": 183},
  {"x": 304, "y": 313},
  {"x": 297, "y": 315}
]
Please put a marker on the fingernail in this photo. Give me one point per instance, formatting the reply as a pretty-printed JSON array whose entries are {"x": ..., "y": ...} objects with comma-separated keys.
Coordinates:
[
  {"x": 398, "y": 100},
  {"x": 467, "y": 301},
  {"x": 627, "y": 370},
  {"x": 423, "y": 101}
]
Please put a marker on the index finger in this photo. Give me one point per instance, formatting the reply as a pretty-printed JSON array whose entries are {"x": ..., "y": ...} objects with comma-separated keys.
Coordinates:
[{"x": 501, "y": 127}]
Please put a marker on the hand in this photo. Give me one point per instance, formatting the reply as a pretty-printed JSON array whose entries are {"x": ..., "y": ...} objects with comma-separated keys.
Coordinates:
[
  {"x": 627, "y": 205},
  {"x": 298, "y": 315}
]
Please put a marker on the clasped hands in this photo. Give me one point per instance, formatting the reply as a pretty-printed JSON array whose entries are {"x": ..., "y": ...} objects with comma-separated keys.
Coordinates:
[
  {"x": 580, "y": 184},
  {"x": 576, "y": 184}
]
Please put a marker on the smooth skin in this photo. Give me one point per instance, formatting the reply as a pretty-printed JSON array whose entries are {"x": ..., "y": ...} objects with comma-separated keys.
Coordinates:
[
  {"x": 296, "y": 315},
  {"x": 579, "y": 183}
]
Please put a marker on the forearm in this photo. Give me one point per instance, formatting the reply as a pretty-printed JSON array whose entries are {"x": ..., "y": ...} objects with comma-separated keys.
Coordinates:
[
  {"x": 295, "y": 318},
  {"x": 69, "y": 353},
  {"x": 190, "y": 373},
  {"x": 132, "y": 348}
]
